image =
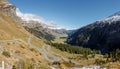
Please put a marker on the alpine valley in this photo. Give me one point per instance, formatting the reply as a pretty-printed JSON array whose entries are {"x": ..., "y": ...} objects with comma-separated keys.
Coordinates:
[{"x": 29, "y": 42}]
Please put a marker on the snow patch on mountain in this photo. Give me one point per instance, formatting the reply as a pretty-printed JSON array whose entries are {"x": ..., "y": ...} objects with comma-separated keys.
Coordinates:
[
  {"x": 32, "y": 17},
  {"x": 112, "y": 18}
]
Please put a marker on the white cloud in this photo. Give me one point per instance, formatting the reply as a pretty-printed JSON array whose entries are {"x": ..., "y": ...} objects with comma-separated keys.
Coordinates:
[{"x": 32, "y": 17}]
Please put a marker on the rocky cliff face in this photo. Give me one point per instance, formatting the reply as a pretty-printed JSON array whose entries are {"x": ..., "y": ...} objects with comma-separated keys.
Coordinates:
[{"x": 7, "y": 8}]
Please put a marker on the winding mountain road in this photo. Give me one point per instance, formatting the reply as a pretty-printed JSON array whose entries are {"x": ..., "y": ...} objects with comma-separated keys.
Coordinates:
[
  {"x": 14, "y": 40},
  {"x": 46, "y": 53},
  {"x": 49, "y": 55}
]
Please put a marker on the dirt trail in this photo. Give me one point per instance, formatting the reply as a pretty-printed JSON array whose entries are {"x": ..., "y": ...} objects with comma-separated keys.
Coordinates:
[{"x": 46, "y": 53}]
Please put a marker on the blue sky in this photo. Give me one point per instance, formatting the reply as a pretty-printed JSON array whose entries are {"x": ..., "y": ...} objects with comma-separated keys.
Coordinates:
[{"x": 69, "y": 13}]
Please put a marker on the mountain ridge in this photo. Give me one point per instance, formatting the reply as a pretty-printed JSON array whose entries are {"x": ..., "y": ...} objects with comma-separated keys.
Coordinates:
[{"x": 101, "y": 35}]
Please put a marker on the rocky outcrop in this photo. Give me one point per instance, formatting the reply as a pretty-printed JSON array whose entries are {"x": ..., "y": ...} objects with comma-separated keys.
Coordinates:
[{"x": 7, "y": 8}]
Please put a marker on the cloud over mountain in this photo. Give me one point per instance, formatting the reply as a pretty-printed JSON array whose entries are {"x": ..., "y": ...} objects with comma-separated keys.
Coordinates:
[{"x": 32, "y": 17}]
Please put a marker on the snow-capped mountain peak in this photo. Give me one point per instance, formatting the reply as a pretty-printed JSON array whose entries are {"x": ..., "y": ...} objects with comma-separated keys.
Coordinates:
[{"x": 112, "y": 18}]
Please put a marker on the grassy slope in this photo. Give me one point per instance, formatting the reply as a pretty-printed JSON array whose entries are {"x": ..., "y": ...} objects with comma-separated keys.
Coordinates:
[
  {"x": 9, "y": 30},
  {"x": 8, "y": 26}
]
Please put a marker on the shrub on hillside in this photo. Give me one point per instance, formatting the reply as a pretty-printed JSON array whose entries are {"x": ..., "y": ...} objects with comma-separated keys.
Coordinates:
[
  {"x": 6, "y": 53},
  {"x": 14, "y": 67},
  {"x": 33, "y": 50}
]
